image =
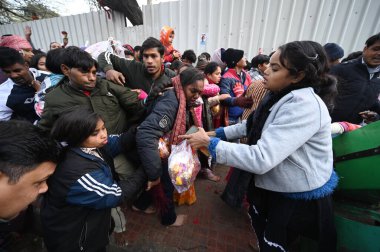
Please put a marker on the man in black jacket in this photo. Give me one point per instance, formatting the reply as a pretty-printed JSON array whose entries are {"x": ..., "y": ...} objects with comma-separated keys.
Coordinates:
[
  {"x": 358, "y": 84},
  {"x": 137, "y": 75}
]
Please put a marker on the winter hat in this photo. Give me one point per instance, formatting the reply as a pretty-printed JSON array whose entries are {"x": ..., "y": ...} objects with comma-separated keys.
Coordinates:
[
  {"x": 232, "y": 56},
  {"x": 333, "y": 51}
]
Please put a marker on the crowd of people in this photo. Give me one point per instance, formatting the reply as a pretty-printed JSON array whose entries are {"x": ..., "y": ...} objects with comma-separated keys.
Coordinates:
[{"x": 88, "y": 128}]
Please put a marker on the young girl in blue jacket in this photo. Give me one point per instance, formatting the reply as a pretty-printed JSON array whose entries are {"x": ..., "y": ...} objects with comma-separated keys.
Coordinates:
[
  {"x": 289, "y": 150},
  {"x": 76, "y": 212}
]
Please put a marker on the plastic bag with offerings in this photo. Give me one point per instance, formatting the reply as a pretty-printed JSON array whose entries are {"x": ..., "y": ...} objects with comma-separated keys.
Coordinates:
[{"x": 184, "y": 166}]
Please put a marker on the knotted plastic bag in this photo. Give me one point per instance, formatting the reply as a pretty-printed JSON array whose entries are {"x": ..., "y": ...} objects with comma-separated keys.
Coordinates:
[{"x": 184, "y": 166}]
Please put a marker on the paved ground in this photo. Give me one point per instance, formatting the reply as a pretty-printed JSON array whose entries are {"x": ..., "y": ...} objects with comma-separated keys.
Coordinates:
[{"x": 211, "y": 225}]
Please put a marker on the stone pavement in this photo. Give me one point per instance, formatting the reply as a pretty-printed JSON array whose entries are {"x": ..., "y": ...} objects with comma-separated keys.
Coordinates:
[{"x": 211, "y": 225}]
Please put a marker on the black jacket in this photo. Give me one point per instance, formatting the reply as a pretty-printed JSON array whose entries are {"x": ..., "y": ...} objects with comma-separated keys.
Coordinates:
[
  {"x": 135, "y": 72},
  {"x": 159, "y": 122},
  {"x": 356, "y": 91}
]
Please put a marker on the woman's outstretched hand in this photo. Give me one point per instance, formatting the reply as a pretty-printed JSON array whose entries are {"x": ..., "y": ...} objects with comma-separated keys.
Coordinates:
[{"x": 197, "y": 140}]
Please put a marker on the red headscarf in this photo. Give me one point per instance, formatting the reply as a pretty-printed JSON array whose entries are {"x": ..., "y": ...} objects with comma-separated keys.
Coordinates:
[
  {"x": 179, "y": 127},
  {"x": 15, "y": 42},
  {"x": 165, "y": 33}
]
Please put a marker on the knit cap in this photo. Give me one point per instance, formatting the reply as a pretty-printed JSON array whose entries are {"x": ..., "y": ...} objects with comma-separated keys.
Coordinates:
[
  {"x": 333, "y": 51},
  {"x": 232, "y": 56}
]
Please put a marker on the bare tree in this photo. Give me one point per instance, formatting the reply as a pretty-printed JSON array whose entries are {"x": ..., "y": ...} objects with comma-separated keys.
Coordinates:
[
  {"x": 94, "y": 4},
  {"x": 20, "y": 11}
]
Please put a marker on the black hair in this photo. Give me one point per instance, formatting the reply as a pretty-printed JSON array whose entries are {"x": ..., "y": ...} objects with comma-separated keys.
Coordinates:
[
  {"x": 353, "y": 55},
  {"x": 74, "y": 57},
  {"x": 211, "y": 67},
  {"x": 310, "y": 58},
  {"x": 184, "y": 66},
  {"x": 37, "y": 51},
  {"x": 201, "y": 63},
  {"x": 248, "y": 65},
  {"x": 206, "y": 55},
  {"x": 54, "y": 60},
  {"x": 176, "y": 65},
  {"x": 75, "y": 126},
  {"x": 35, "y": 59},
  {"x": 152, "y": 43},
  {"x": 372, "y": 40},
  {"x": 137, "y": 48},
  {"x": 9, "y": 57},
  {"x": 127, "y": 52},
  {"x": 190, "y": 76},
  {"x": 259, "y": 59},
  {"x": 23, "y": 147},
  {"x": 190, "y": 56}
]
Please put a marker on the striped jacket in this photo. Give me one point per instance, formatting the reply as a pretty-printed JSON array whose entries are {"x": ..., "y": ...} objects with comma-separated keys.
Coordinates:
[{"x": 76, "y": 211}]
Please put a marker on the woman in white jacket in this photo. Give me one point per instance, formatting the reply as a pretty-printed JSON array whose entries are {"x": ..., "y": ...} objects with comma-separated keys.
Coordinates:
[{"x": 289, "y": 150}]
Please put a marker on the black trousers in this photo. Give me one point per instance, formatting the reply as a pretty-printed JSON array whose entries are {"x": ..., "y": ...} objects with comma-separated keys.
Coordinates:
[{"x": 278, "y": 220}]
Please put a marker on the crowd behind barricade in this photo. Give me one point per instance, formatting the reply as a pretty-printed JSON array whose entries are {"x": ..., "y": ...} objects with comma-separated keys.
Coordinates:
[{"x": 88, "y": 131}]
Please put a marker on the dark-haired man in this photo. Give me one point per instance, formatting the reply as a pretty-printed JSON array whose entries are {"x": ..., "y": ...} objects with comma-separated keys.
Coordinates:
[
  {"x": 28, "y": 157},
  {"x": 358, "y": 84},
  {"x": 17, "y": 92},
  {"x": 137, "y": 75},
  {"x": 259, "y": 64}
]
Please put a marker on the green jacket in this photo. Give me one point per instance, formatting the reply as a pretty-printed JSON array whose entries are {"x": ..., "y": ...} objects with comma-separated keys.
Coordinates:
[
  {"x": 117, "y": 105},
  {"x": 135, "y": 72}
]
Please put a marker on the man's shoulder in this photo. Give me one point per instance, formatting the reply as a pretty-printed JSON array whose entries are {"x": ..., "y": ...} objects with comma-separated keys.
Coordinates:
[
  {"x": 58, "y": 93},
  {"x": 169, "y": 73},
  {"x": 134, "y": 65},
  {"x": 346, "y": 68},
  {"x": 167, "y": 76}
]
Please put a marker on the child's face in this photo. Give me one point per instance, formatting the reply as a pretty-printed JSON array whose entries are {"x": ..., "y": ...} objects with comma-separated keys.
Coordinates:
[
  {"x": 98, "y": 138},
  {"x": 82, "y": 79},
  {"x": 276, "y": 76},
  {"x": 171, "y": 37},
  {"x": 42, "y": 64}
]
